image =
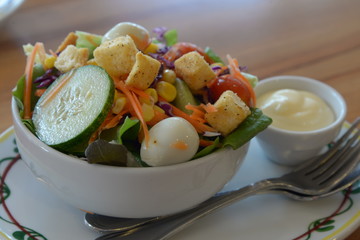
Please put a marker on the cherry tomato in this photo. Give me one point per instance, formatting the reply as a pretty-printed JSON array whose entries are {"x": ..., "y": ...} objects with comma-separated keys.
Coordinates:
[
  {"x": 228, "y": 82},
  {"x": 181, "y": 48}
]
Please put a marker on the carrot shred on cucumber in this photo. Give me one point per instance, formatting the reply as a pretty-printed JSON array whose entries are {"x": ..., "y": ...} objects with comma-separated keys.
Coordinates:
[
  {"x": 58, "y": 87},
  {"x": 28, "y": 81},
  {"x": 137, "y": 108},
  {"x": 235, "y": 72}
]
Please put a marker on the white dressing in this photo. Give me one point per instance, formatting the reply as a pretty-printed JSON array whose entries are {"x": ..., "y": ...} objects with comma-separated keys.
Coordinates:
[{"x": 296, "y": 110}]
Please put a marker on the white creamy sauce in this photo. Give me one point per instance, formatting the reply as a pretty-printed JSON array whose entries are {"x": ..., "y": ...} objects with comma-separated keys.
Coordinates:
[{"x": 295, "y": 110}]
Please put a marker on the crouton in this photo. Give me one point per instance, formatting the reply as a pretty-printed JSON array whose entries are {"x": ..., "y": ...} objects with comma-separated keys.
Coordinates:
[
  {"x": 143, "y": 72},
  {"x": 71, "y": 57},
  {"x": 231, "y": 111},
  {"x": 194, "y": 70},
  {"x": 116, "y": 56},
  {"x": 70, "y": 39}
]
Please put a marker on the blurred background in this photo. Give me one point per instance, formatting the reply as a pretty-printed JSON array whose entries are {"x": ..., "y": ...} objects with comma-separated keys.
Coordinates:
[{"x": 318, "y": 39}]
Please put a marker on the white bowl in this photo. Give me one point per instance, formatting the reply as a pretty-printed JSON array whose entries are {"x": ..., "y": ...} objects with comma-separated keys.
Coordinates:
[
  {"x": 125, "y": 191},
  {"x": 293, "y": 147}
]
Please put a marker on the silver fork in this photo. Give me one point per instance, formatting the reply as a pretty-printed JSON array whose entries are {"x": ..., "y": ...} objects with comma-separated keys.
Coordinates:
[{"x": 313, "y": 178}]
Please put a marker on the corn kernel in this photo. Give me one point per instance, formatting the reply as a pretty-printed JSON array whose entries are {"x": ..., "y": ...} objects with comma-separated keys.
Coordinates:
[
  {"x": 152, "y": 48},
  {"x": 91, "y": 62},
  {"x": 147, "y": 112},
  {"x": 119, "y": 105},
  {"x": 166, "y": 90},
  {"x": 49, "y": 62},
  {"x": 153, "y": 96},
  {"x": 169, "y": 76}
]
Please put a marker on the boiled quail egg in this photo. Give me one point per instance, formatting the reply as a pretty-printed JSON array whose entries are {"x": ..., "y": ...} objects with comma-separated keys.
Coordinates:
[
  {"x": 172, "y": 140},
  {"x": 138, "y": 33}
]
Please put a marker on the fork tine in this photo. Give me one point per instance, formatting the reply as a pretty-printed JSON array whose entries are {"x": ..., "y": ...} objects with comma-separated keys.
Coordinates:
[
  {"x": 348, "y": 162},
  {"x": 332, "y": 165},
  {"x": 314, "y": 164}
]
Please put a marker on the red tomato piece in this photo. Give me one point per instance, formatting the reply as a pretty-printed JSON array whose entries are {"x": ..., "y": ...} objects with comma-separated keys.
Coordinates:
[{"x": 228, "y": 82}]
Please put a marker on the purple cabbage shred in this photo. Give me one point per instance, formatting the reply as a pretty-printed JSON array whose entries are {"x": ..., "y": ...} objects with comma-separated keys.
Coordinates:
[
  {"x": 166, "y": 107},
  {"x": 47, "y": 78},
  {"x": 160, "y": 31}
]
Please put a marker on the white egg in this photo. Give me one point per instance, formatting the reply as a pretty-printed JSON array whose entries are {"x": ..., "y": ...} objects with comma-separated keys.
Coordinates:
[
  {"x": 172, "y": 140},
  {"x": 138, "y": 33}
]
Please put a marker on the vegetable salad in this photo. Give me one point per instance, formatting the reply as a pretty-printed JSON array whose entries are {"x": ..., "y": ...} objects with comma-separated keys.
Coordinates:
[{"x": 135, "y": 98}]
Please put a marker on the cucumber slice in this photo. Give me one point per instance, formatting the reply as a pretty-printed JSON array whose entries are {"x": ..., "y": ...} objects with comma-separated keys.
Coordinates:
[
  {"x": 183, "y": 96},
  {"x": 73, "y": 107}
]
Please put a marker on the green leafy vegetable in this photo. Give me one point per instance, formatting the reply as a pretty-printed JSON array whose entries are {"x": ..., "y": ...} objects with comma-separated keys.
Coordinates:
[
  {"x": 29, "y": 124},
  {"x": 128, "y": 130},
  {"x": 103, "y": 152},
  {"x": 213, "y": 55},
  {"x": 252, "y": 125},
  {"x": 18, "y": 92},
  {"x": 171, "y": 37},
  {"x": 127, "y": 134},
  {"x": 207, "y": 150},
  {"x": 88, "y": 40}
]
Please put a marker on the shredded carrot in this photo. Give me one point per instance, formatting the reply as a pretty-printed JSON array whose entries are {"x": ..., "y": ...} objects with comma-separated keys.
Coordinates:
[
  {"x": 42, "y": 53},
  {"x": 157, "y": 118},
  {"x": 137, "y": 108},
  {"x": 39, "y": 92},
  {"x": 57, "y": 88},
  {"x": 180, "y": 145},
  {"x": 235, "y": 71},
  {"x": 139, "y": 92},
  {"x": 198, "y": 118},
  {"x": 28, "y": 81},
  {"x": 196, "y": 110},
  {"x": 115, "y": 120},
  {"x": 91, "y": 40},
  {"x": 209, "y": 108},
  {"x": 53, "y": 53},
  {"x": 200, "y": 127},
  {"x": 205, "y": 143},
  {"x": 99, "y": 130}
]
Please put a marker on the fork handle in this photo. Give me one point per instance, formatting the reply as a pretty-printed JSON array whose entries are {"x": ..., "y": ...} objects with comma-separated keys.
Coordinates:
[{"x": 167, "y": 227}]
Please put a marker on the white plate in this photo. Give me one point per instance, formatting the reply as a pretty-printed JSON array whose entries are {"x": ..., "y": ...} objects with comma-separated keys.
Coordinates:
[
  {"x": 259, "y": 217},
  {"x": 7, "y": 7}
]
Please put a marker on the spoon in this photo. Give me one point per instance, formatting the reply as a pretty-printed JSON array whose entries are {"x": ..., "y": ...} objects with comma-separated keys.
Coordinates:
[{"x": 118, "y": 226}]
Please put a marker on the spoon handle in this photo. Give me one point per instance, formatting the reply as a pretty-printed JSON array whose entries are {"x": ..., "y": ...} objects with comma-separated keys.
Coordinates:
[{"x": 167, "y": 227}]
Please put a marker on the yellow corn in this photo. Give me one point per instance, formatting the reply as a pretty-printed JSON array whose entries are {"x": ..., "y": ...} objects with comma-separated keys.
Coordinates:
[
  {"x": 169, "y": 76},
  {"x": 91, "y": 62},
  {"x": 166, "y": 90},
  {"x": 147, "y": 112},
  {"x": 49, "y": 62},
  {"x": 119, "y": 105},
  {"x": 153, "y": 96},
  {"x": 152, "y": 48}
]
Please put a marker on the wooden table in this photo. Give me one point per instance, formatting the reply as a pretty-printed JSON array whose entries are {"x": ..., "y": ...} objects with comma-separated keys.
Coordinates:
[{"x": 318, "y": 39}]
